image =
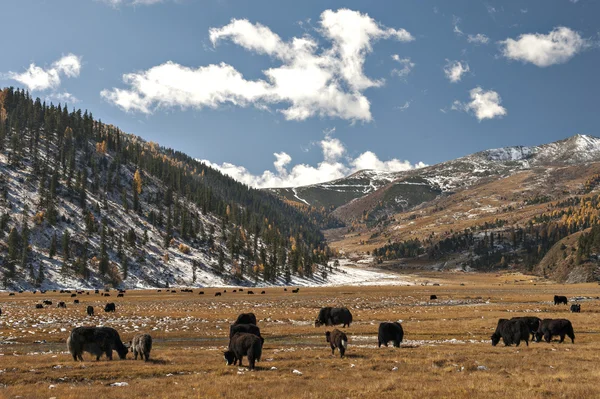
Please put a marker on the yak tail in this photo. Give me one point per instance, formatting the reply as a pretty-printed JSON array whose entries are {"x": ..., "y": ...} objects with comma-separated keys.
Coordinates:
[{"x": 344, "y": 343}]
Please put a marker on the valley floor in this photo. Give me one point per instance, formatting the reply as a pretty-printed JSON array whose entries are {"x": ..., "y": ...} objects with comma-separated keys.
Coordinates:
[{"x": 446, "y": 352}]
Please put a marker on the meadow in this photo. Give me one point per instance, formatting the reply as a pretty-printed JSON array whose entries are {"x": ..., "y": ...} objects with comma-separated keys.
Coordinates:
[{"x": 446, "y": 350}]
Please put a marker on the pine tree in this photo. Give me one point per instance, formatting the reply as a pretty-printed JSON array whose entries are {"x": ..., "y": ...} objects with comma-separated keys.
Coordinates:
[
  {"x": 52, "y": 250},
  {"x": 104, "y": 261},
  {"x": 168, "y": 230},
  {"x": 221, "y": 265},
  {"x": 66, "y": 240},
  {"x": 14, "y": 243}
]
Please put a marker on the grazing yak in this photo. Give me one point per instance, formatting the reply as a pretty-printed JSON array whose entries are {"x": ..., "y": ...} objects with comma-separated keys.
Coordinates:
[
  {"x": 337, "y": 339},
  {"x": 39, "y": 306},
  {"x": 201, "y": 293},
  {"x": 550, "y": 327},
  {"x": 332, "y": 316},
  {"x": 110, "y": 307},
  {"x": 245, "y": 328},
  {"x": 532, "y": 322},
  {"x": 96, "y": 341},
  {"x": 120, "y": 295},
  {"x": 511, "y": 331},
  {"x": 47, "y": 302},
  {"x": 90, "y": 310},
  {"x": 141, "y": 344},
  {"x": 263, "y": 292},
  {"x": 296, "y": 290},
  {"x": 243, "y": 344},
  {"x": 559, "y": 299},
  {"x": 61, "y": 305},
  {"x": 432, "y": 297},
  {"x": 217, "y": 294},
  {"x": 390, "y": 332},
  {"x": 246, "y": 318},
  {"x": 250, "y": 293},
  {"x": 576, "y": 308},
  {"x": 76, "y": 301}
]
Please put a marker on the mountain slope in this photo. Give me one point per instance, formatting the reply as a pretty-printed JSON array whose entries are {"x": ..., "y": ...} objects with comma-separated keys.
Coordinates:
[{"x": 83, "y": 204}]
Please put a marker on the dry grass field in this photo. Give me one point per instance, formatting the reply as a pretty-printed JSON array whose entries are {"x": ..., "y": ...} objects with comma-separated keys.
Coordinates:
[{"x": 446, "y": 352}]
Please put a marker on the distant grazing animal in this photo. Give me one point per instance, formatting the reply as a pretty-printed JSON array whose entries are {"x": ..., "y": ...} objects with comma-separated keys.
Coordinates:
[
  {"x": 120, "y": 295},
  {"x": 87, "y": 293},
  {"x": 550, "y": 327},
  {"x": 337, "y": 339},
  {"x": 576, "y": 308},
  {"x": 201, "y": 293},
  {"x": 250, "y": 293},
  {"x": 245, "y": 328},
  {"x": 47, "y": 302},
  {"x": 532, "y": 322},
  {"x": 285, "y": 289},
  {"x": 511, "y": 331},
  {"x": 61, "y": 305},
  {"x": 234, "y": 291},
  {"x": 296, "y": 290},
  {"x": 559, "y": 299},
  {"x": 158, "y": 290},
  {"x": 106, "y": 294},
  {"x": 76, "y": 301},
  {"x": 332, "y": 316},
  {"x": 173, "y": 291},
  {"x": 241, "y": 290},
  {"x": 61, "y": 291},
  {"x": 263, "y": 292},
  {"x": 390, "y": 332},
  {"x": 217, "y": 294},
  {"x": 107, "y": 290},
  {"x": 246, "y": 318},
  {"x": 0, "y": 312},
  {"x": 20, "y": 291},
  {"x": 11, "y": 294},
  {"x": 95, "y": 340},
  {"x": 110, "y": 307},
  {"x": 243, "y": 344},
  {"x": 39, "y": 306},
  {"x": 224, "y": 290},
  {"x": 141, "y": 344},
  {"x": 432, "y": 297},
  {"x": 90, "y": 310},
  {"x": 96, "y": 291}
]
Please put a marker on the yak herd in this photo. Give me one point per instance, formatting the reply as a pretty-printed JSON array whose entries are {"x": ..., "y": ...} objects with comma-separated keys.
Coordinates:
[{"x": 245, "y": 339}]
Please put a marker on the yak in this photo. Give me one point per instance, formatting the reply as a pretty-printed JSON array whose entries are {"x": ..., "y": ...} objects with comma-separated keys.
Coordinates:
[
  {"x": 532, "y": 322},
  {"x": 550, "y": 327},
  {"x": 576, "y": 308},
  {"x": 390, "y": 332},
  {"x": 245, "y": 328},
  {"x": 90, "y": 310},
  {"x": 332, "y": 316},
  {"x": 110, "y": 307},
  {"x": 337, "y": 339},
  {"x": 243, "y": 344},
  {"x": 511, "y": 331},
  {"x": 141, "y": 344},
  {"x": 246, "y": 318},
  {"x": 559, "y": 299},
  {"x": 95, "y": 340}
]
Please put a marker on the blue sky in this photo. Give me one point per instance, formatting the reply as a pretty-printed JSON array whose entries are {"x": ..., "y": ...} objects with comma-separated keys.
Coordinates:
[{"x": 288, "y": 93}]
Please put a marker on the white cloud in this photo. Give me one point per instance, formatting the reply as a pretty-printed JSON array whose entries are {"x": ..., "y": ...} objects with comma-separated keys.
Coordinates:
[
  {"x": 557, "y": 47},
  {"x": 404, "y": 107},
  {"x": 311, "y": 81},
  {"x": 336, "y": 164},
  {"x": 117, "y": 3},
  {"x": 407, "y": 66},
  {"x": 479, "y": 38},
  {"x": 484, "y": 104},
  {"x": 455, "y": 69},
  {"x": 63, "y": 98},
  {"x": 38, "y": 78}
]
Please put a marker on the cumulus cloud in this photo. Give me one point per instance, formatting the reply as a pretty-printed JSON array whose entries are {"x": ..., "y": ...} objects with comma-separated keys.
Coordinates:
[
  {"x": 484, "y": 104},
  {"x": 479, "y": 38},
  {"x": 63, "y": 98},
  {"x": 336, "y": 164},
  {"x": 455, "y": 69},
  {"x": 38, "y": 78},
  {"x": 311, "y": 80},
  {"x": 557, "y": 47},
  {"x": 406, "y": 63}
]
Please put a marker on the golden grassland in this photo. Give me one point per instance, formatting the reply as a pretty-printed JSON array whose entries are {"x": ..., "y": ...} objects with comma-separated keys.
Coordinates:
[{"x": 446, "y": 352}]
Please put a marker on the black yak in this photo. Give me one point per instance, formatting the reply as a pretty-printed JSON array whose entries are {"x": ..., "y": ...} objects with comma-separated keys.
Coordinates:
[
  {"x": 337, "y": 339},
  {"x": 110, "y": 307},
  {"x": 576, "y": 308},
  {"x": 39, "y": 306},
  {"x": 61, "y": 305},
  {"x": 141, "y": 344},
  {"x": 511, "y": 331},
  {"x": 550, "y": 327},
  {"x": 559, "y": 299},
  {"x": 246, "y": 318},
  {"x": 243, "y": 344},
  {"x": 217, "y": 294},
  {"x": 245, "y": 328},
  {"x": 532, "y": 322},
  {"x": 332, "y": 316},
  {"x": 390, "y": 332},
  {"x": 90, "y": 310},
  {"x": 95, "y": 340},
  {"x": 432, "y": 297}
]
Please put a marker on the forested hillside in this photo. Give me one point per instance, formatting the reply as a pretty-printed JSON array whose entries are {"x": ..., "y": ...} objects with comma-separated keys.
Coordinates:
[{"x": 82, "y": 203}]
